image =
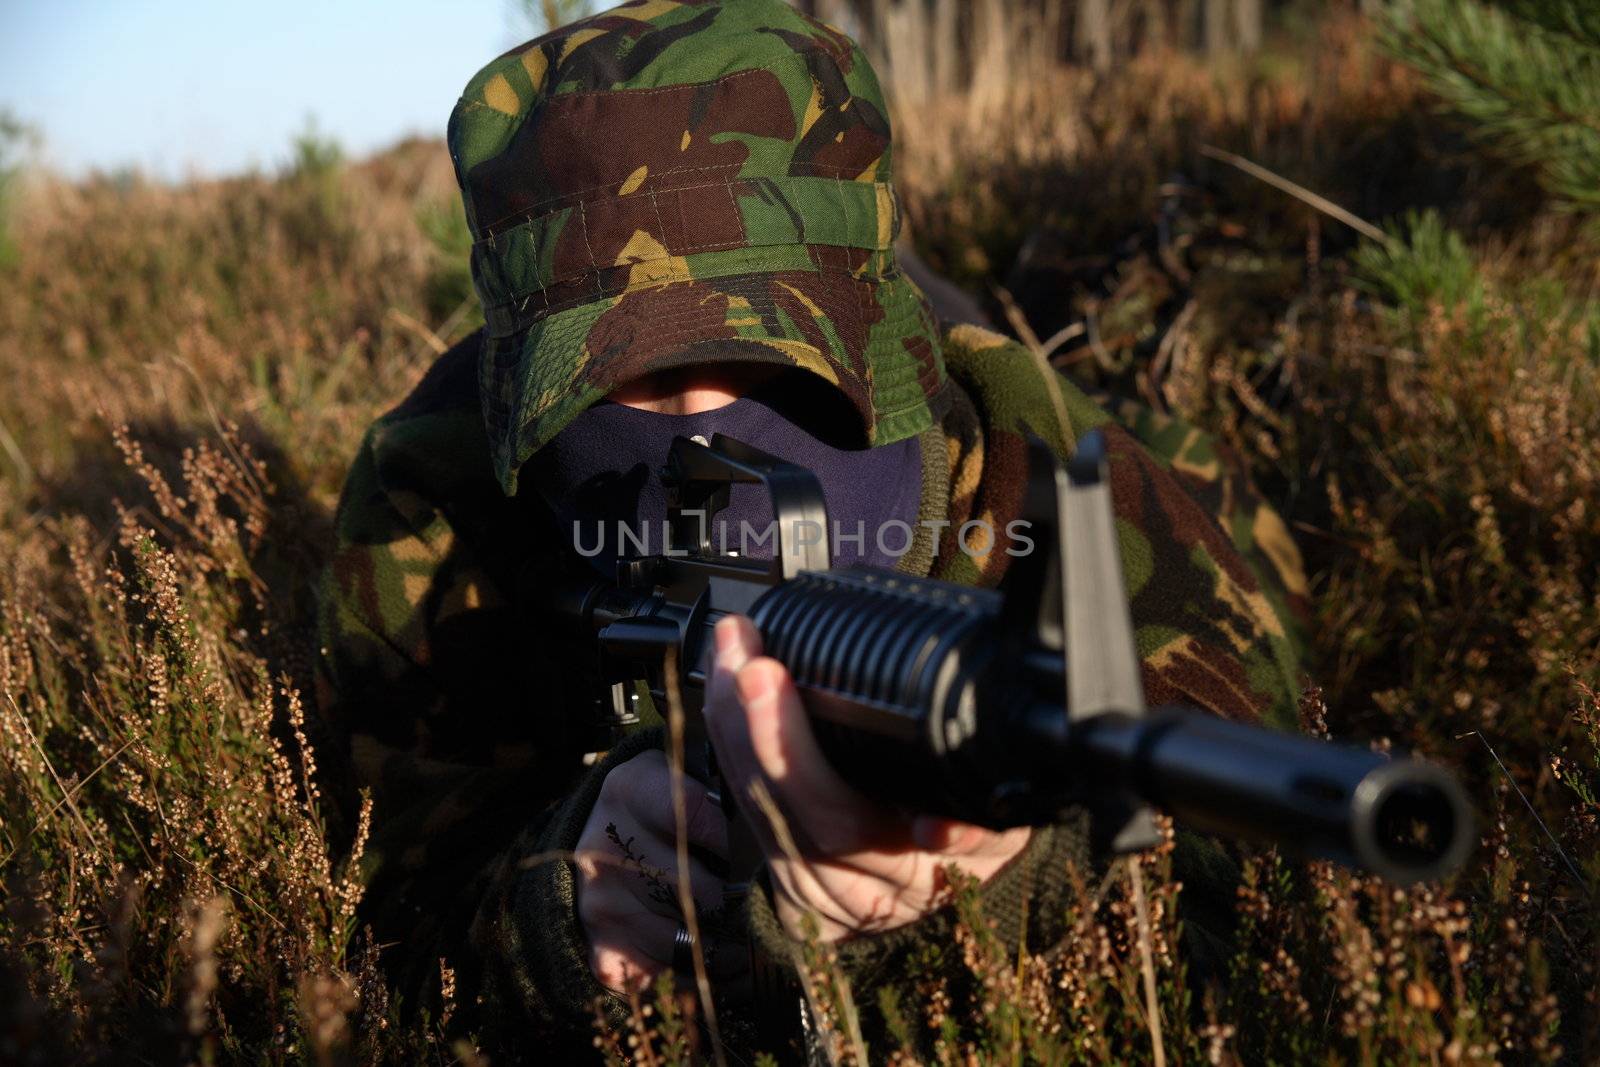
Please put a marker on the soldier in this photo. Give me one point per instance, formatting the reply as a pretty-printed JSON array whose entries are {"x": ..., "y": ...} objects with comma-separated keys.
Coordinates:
[{"x": 684, "y": 222}]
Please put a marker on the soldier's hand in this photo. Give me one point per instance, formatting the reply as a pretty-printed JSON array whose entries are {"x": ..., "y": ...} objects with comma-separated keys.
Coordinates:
[
  {"x": 861, "y": 867},
  {"x": 627, "y": 874}
]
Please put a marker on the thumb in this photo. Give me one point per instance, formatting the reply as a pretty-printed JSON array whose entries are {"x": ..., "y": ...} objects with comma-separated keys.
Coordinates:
[{"x": 949, "y": 837}]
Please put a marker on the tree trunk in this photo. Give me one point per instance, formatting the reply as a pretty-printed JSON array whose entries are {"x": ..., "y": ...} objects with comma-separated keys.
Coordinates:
[
  {"x": 1216, "y": 31},
  {"x": 1247, "y": 25},
  {"x": 1093, "y": 36}
]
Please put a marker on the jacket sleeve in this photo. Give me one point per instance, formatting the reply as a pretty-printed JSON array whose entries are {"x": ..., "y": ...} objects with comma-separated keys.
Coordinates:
[{"x": 430, "y": 688}]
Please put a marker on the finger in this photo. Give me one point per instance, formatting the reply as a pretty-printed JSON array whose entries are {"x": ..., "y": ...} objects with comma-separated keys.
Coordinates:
[
  {"x": 825, "y": 808},
  {"x": 737, "y": 642},
  {"x": 707, "y": 824},
  {"x": 622, "y": 968},
  {"x": 953, "y": 839},
  {"x": 839, "y": 815},
  {"x": 800, "y": 888},
  {"x": 629, "y": 951},
  {"x": 933, "y": 833}
]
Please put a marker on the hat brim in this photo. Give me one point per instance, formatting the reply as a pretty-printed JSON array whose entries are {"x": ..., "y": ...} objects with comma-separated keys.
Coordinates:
[{"x": 874, "y": 338}]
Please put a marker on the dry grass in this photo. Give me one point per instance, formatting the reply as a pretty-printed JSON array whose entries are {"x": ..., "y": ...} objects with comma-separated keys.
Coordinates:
[{"x": 178, "y": 889}]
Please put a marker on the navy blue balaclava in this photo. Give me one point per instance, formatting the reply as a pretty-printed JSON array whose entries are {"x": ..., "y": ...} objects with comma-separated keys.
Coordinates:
[{"x": 600, "y": 475}]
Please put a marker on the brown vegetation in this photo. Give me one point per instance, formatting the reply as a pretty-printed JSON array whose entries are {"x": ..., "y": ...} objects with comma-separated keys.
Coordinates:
[{"x": 189, "y": 368}]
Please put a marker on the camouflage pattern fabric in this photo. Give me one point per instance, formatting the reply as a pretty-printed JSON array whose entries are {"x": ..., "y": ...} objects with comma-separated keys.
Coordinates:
[{"x": 673, "y": 173}]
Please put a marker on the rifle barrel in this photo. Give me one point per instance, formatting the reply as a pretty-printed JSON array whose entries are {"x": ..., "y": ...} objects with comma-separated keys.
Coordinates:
[{"x": 1403, "y": 819}]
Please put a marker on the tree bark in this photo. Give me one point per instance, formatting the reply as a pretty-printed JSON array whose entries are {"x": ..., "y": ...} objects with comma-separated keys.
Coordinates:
[
  {"x": 1216, "y": 33},
  {"x": 1093, "y": 36},
  {"x": 1247, "y": 25}
]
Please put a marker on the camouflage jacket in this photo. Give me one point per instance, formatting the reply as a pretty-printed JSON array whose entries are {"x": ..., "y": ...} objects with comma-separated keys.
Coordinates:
[{"x": 458, "y": 712}]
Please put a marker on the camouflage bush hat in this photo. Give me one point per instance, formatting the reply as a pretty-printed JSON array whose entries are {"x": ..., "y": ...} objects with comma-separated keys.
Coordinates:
[{"x": 681, "y": 181}]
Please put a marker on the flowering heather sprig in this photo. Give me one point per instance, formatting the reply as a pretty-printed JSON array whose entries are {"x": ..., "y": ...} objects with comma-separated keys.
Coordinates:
[
  {"x": 351, "y": 888},
  {"x": 447, "y": 993}
]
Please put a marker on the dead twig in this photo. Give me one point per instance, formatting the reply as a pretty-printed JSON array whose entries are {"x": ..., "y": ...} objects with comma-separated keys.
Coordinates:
[
  {"x": 1018, "y": 321},
  {"x": 70, "y": 795},
  {"x": 680, "y": 818},
  {"x": 1567, "y": 860},
  {"x": 1299, "y": 192},
  {"x": 420, "y": 329},
  {"x": 1157, "y": 374},
  {"x": 1061, "y": 337},
  {"x": 14, "y": 453},
  {"x": 761, "y": 797},
  {"x": 1147, "y": 963}
]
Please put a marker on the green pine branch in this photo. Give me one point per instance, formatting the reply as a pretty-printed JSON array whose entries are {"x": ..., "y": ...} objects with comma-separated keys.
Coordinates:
[
  {"x": 1578, "y": 19},
  {"x": 1531, "y": 92}
]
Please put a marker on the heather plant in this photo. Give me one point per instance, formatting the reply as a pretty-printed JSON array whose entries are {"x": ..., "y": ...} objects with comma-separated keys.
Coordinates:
[
  {"x": 13, "y": 136},
  {"x": 181, "y": 873},
  {"x": 450, "y": 293},
  {"x": 173, "y": 861},
  {"x": 317, "y": 217}
]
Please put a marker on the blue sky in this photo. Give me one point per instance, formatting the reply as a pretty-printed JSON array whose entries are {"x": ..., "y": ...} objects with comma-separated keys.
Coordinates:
[{"x": 175, "y": 87}]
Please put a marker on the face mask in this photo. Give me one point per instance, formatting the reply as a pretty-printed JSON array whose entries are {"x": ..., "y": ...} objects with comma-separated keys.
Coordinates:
[{"x": 600, "y": 477}]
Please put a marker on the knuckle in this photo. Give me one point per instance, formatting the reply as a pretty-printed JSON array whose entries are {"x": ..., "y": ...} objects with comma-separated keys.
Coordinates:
[{"x": 771, "y": 670}]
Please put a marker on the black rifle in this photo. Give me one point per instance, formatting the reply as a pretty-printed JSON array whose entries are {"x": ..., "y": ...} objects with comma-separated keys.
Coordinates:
[{"x": 1001, "y": 708}]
